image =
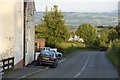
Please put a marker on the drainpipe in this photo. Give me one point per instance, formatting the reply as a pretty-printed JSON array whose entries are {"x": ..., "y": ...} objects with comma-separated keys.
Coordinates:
[{"x": 24, "y": 35}]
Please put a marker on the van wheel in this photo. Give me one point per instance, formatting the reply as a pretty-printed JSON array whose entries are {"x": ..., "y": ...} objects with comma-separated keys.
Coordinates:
[{"x": 59, "y": 56}]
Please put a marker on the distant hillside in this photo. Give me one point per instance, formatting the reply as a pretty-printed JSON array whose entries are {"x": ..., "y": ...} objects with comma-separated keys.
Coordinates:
[
  {"x": 74, "y": 19},
  {"x": 115, "y": 11}
]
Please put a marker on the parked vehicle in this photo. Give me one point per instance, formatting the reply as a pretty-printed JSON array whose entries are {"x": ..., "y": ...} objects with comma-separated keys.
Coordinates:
[
  {"x": 58, "y": 54},
  {"x": 47, "y": 58},
  {"x": 41, "y": 49},
  {"x": 45, "y": 48}
]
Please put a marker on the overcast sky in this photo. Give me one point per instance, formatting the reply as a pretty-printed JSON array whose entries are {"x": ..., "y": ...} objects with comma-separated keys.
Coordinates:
[{"x": 78, "y": 5}]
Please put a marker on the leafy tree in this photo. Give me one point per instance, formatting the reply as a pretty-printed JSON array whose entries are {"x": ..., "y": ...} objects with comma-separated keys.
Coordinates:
[
  {"x": 56, "y": 30},
  {"x": 88, "y": 32},
  {"x": 104, "y": 38},
  {"x": 97, "y": 42},
  {"x": 112, "y": 35},
  {"x": 40, "y": 31},
  {"x": 118, "y": 30}
]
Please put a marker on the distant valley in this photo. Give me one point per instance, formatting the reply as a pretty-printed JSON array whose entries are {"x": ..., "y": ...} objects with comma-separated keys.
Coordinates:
[{"x": 74, "y": 19}]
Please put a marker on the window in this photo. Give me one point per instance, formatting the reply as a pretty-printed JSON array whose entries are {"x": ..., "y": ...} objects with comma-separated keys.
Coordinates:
[{"x": 35, "y": 44}]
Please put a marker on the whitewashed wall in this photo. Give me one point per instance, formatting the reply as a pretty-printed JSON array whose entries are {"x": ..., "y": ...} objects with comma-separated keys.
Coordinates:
[
  {"x": 12, "y": 28},
  {"x": 7, "y": 26},
  {"x": 0, "y": 33},
  {"x": 30, "y": 32},
  {"x": 18, "y": 35}
]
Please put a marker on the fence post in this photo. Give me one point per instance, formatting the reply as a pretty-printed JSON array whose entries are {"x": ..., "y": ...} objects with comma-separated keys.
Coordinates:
[
  {"x": 0, "y": 70},
  {"x": 3, "y": 65},
  {"x": 8, "y": 63},
  {"x": 13, "y": 63}
]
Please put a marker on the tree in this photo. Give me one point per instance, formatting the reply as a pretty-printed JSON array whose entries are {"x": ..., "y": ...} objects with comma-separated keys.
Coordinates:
[
  {"x": 112, "y": 35},
  {"x": 56, "y": 30},
  {"x": 104, "y": 38},
  {"x": 118, "y": 30},
  {"x": 40, "y": 31},
  {"x": 87, "y": 32}
]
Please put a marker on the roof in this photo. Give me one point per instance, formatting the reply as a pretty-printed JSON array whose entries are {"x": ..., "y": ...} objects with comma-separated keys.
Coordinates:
[{"x": 38, "y": 40}]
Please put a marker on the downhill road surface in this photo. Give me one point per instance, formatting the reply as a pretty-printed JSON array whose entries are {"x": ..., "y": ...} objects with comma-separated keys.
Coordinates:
[{"x": 86, "y": 64}]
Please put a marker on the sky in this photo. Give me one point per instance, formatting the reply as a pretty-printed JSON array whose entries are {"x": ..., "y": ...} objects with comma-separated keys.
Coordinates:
[{"x": 78, "y": 5}]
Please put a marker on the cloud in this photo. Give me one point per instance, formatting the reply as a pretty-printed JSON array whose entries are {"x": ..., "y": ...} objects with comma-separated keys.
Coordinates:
[{"x": 78, "y": 5}]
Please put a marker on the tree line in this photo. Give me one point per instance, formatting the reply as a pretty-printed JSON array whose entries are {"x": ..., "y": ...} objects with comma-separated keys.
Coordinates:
[{"x": 54, "y": 30}]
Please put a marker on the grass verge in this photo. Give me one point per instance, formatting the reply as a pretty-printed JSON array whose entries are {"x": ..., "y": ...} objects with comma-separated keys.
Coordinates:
[
  {"x": 114, "y": 59},
  {"x": 70, "y": 50},
  {"x": 113, "y": 54},
  {"x": 67, "y": 48}
]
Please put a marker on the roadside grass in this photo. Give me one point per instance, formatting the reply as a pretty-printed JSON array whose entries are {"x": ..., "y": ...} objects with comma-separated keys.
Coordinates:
[
  {"x": 113, "y": 58},
  {"x": 113, "y": 54},
  {"x": 90, "y": 49},
  {"x": 68, "y": 48}
]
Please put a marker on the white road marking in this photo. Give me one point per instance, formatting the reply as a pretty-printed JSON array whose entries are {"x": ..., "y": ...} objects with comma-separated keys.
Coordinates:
[
  {"x": 35, "y": 72},
  {"x": 83, "y": 67},
  {"x": 62, "y": 60},
  {"x": 45, "y": 69},
  {"x": 65, "y": 58}
]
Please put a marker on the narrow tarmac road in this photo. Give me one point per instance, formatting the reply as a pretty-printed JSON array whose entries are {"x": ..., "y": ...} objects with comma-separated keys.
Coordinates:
[{"x": 86, "y": 64}]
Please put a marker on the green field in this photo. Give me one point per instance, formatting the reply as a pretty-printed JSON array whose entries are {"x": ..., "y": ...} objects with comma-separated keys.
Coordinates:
[{"x": 74, "y": 19}]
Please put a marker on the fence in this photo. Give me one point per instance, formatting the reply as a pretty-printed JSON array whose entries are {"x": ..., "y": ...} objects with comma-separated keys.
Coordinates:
[
  {"x": 1, "y": 70},
  {"x": 7, "y": 63}
]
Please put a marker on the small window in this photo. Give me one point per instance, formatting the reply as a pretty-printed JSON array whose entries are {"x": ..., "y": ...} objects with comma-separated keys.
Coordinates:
[
  {"x": 35, "y": 44},
  {"x": 46, "y": 54}
]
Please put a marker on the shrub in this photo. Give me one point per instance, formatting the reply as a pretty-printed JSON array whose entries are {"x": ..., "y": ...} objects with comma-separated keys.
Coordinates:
[
  {"x": 113, "y": 53},
  {"x": 104, "y": 46},
  {"x": 64, "y": 46},
  {"x": 88, "y": 32}
]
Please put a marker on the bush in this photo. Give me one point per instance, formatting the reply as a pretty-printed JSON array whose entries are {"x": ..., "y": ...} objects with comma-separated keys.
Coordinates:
[
  {"x": 88, "y": 32},
  {"x": 68, "y": 47},
  {"x": 113, "y": 53},
  {"x": 116, "y": 47},
  {"x": 104, "y": 46},
  {"x": 65, "y": 45}
]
